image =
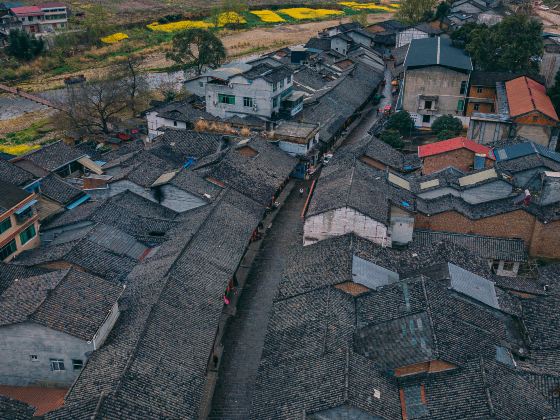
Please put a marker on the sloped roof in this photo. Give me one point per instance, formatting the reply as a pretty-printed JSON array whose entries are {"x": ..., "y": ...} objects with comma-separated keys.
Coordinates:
[
  {"x": 10, "y": 196},
  {"x": 518, "y": 150},
  {"x": 15, "y": 175},
  {"x": 15, "y": 410},
  {"x": 437, "y": 51},
  {"x": 69, "y": 301},
  {"x": 525, "y": 95},
  {"x": 53, "y": 156},
  {"x": 445, "y": 146},
  {"x": 55, "y": 188}
]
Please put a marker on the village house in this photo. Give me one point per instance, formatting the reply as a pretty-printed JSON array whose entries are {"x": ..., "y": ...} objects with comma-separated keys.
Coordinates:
[
  {"x": 522, "y": 109},
  {"x": 19, "y": 225},
  {"x": 550, "y": 61},
  {"x": 66, "y": 316},
  {"x": 420, "y": 31},
  {"x": 44, "y": 18},
  {"x": 459, "y": 152},
  {"x": 436, "y": 79},
  {"x": 299, "y": 139}
]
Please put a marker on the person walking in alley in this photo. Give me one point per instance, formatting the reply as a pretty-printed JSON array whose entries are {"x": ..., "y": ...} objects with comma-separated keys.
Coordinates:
[{"x": 301, "y": 192}]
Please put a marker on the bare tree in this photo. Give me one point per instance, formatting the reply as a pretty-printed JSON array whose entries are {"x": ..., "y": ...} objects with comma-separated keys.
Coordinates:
[
  {"x": 92, "y": 105},
  {"x": 129, "y": 71}
]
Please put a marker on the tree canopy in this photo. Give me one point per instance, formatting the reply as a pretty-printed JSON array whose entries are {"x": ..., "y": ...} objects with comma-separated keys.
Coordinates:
[
  {"x": 415, "y": 11},
  {"x": 513, "y": 45},
  {"x": 198, "y": 48},
  {"x": 554, "y": 93},
  {"x": 392, "y": 138},
  {"x": 402, "y": 122},
  {"x": 23, "y": 45},
  {"x": 447, "y": 126}
]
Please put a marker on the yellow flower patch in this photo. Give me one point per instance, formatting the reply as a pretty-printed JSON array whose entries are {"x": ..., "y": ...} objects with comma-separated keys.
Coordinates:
[
  {"x": 366, "y": 6},
  {"x": 395, "y": 5},
  {"x": 301, "y": 13},
  {"x": 228, "y": 18},
  {"x": 111, "y": 39},
  {"x": 17, "y": 149},
  {"x": 268, "y": 16},
  {"x": 179, "y": 26}
]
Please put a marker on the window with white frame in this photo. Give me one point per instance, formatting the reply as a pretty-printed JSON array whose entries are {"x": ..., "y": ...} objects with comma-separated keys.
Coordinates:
[{"x": 57, "y": 364}]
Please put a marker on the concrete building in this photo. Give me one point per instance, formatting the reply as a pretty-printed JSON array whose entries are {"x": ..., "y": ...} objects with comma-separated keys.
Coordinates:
[
  {"x": 297, "y": 138},
  {"x": 50, "y": 324},
  {"x": 550, "y": 62},
  {"x": 19, "y": 221},
  {"x": 261, "y": 88},
  {"x": 420, "y": 31},
  {"x": 436, "y": 79},
  {"x": 45, "y": 18}
]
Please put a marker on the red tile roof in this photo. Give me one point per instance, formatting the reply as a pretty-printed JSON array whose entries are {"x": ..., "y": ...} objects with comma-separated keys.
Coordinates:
[
  {"x": 43, "y": 399},
  {"x": 27, "y": 10},
  {"x": 525, "y": 95},
  {"x": 452, "y": 144}
]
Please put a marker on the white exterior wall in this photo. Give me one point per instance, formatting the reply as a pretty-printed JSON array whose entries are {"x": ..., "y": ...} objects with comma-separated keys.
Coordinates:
[
  {"x": 339, "y": 45},
  {"x": 105, "y": 329},
  {"x": 259, "y": 90},
  {"x": 342, "y": 221},
  {"x": 197, "y": 85},
  {"x": 406, "y": 36},
  {"x": 294, "y": 149},
  {"x": 361, "y": 39},
  {"x": 155, "y": 122}
]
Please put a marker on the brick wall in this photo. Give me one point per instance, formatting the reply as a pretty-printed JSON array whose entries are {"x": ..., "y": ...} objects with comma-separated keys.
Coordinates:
[
  {"x": 462, "y": 159},
  {"x": 542, "y": 240}
]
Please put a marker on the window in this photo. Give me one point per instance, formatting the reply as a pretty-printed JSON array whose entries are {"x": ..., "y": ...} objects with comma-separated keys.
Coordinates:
[
  {"x": 463, "y": 87},
  {"x": 479, "y": 90},
  {"x": 427, "y": 104},
  {"x": 57, "y": 364},
  {"x": 476, "y": 107},
  {"x": 77, "y": 364},
  {"x": 274, "y": 87},
  {"x": 414, "y": 399},
  {"x": 460, "y": 104},
  {"x": 281, "y": 83},
  {"x": 28, "y": 234},
  {"x": 248, "y": 102},
  {"x": 425, "y": 118},
  {"x": 8, "y": 250},
  {"x": 289, "y": 79},
  {"x": 226, "y": 99},
  {"x": 33, "y": 358},
  {"x": 5, "y": 225},
  {"x": 508, "y": 266},
  {"x": 174, "y": 123},
  {"x": 201, "y": 84},
  {"x": 275, "y": 102}
]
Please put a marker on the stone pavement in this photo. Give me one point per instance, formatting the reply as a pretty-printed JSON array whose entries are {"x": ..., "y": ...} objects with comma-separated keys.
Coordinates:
[{"x": 245, "y": 335}]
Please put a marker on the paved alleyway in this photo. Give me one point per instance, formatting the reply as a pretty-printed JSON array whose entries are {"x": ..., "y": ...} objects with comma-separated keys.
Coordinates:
[
  {"x": 245, "y": 335},
  {"x": 371, "y": 116}
]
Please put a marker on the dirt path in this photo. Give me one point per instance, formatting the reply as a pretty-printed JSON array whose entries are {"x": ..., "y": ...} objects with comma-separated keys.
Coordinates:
[{"x": 237, "y": 43}]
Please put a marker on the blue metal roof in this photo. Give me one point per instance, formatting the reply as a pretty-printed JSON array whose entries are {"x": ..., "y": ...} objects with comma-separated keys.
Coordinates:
[
  {"x": 25, "y": 206},
  {"x": 515, "y": 151},
  {"x": 79, "y": 201},
  {"x": 436, "y": 51}
]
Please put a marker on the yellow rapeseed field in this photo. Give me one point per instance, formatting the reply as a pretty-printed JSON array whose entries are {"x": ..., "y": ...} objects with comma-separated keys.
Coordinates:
[
  {"x": 17, "y": 149},
  {"x": 366, "y": 6},
  {"x": 111, "y": 39},
  {"x": 268, "y": 16},
  {"x": 301, "y": 13},
  {"x": 179, "y": 26},
  {"x": 230, "y": 18}
]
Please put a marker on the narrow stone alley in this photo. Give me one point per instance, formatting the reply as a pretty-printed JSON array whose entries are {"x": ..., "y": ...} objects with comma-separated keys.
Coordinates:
[{"x": 245, "y": 336}]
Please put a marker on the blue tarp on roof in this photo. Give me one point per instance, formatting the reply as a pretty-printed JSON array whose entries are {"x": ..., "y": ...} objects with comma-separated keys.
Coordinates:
[
  {"x": 515, "y": 151},
  {"x": 79, "y": 201}
]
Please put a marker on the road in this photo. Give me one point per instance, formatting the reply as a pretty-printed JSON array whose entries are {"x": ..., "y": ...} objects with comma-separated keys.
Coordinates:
[
  {"x": 245, "y": 335},
  {"x": 371, "y": 116}
]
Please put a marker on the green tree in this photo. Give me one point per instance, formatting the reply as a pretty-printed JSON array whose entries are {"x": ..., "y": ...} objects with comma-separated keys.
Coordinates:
[
  {"x": 198, "y": 48},
  {"x": 513, "y": 45},
  {"x": 361, "y": 18},
  {"x": 414, "y": 11},
  {"x": 447, "y": 126},
  {"x": 24, "y": 46},
  {"x": 442, "y": 10},
  {"x": 392, "y": 138},
  {"x": 402, "y": 122},
  {"x": 554, "y": 93}
]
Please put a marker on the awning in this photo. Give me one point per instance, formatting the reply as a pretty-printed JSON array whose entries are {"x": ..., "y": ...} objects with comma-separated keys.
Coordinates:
[
  {"x": 79, "y": 201},
  {"x": 25, "y": 206},
  {"x": 91, "y": 165}
]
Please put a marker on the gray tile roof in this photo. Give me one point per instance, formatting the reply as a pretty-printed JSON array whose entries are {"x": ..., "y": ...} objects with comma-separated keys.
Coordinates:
[
  {"x": 53, "y": 156},
  {"x": 15, "y": 410},
  {"x": 174, "y": 303},
  {"x": 483, "y": 246},
  {"x": 15, "y": 175},
  {"x": 10, "y": 272},
  {"x": 437, "y": 51},
  {"x": 179, "y": 145},
  {"x": 55, "y": 188},
  {"x": 259, "y": 176},
  {"x": 70, "y": 301},
  {"x": 10, "y": 196}
]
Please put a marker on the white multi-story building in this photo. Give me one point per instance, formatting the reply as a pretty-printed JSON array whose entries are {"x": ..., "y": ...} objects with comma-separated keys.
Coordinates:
[{"x": 47, "y": 17}]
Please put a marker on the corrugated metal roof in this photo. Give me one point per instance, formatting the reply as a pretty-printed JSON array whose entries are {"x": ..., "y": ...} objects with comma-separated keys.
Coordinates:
[
  {"x": 478, "y": 177},
  {"x": 436, "y": 51},
  {"x": 518, "y": 150},
  {"x": 473, "y": 285},
  {"x": 371, "y": 275}
]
